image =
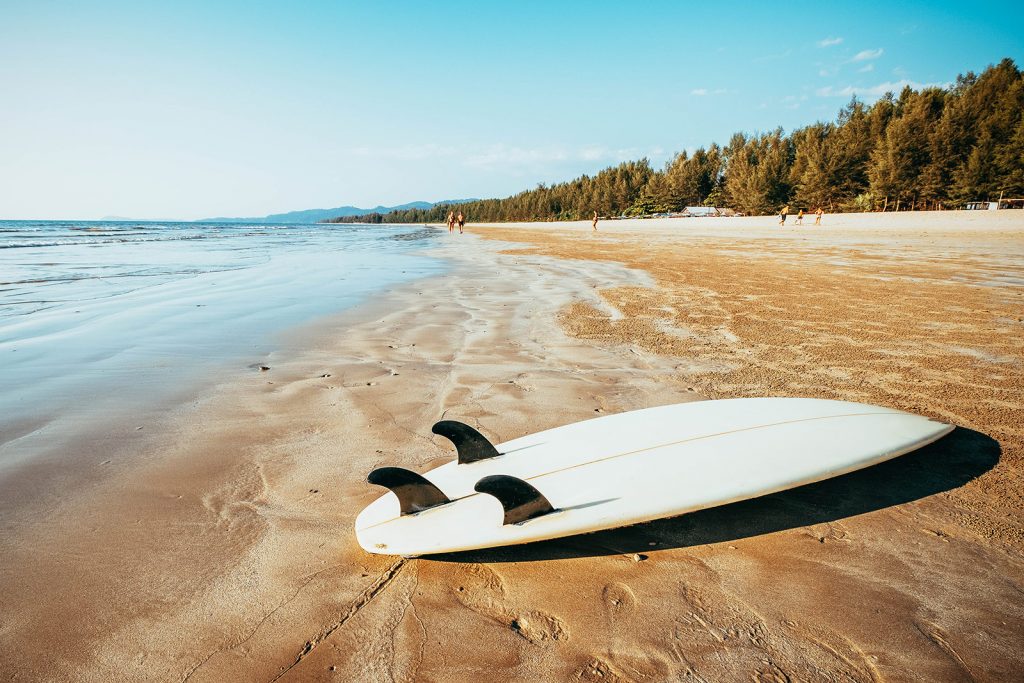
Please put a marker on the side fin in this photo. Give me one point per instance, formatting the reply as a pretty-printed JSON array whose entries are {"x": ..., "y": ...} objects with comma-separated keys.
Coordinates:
[
  {"x": 471, "y": 444},
  {"x": 519, "y": 500},
  {"x": 414, "y": 492}
]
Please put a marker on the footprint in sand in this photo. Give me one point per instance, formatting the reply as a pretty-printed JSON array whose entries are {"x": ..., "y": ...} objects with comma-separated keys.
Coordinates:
[
  {"x": 481, "y": 589},
  {"x": 619, "y": 599},
  {"x": 597, "y": 670},
  {"x": 537, "y": 627}
]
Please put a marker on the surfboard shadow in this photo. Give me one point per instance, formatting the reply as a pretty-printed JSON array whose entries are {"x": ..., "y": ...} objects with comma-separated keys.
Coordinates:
[{"x": 949, "y": 463}]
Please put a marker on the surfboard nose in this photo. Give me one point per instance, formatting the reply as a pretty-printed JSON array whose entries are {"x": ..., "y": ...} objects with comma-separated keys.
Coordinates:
[{"x": 941, "y": 428}]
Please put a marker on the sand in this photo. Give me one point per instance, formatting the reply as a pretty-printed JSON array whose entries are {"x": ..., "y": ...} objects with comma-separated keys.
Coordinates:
[{"x": 216, "y": 543}]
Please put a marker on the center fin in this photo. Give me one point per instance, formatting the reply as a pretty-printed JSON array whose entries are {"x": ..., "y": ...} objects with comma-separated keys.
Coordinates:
[
  {"x": 519, "y": 500},
  {"x": 471, "y": 444},
  {"x": 414, "y": 492}
]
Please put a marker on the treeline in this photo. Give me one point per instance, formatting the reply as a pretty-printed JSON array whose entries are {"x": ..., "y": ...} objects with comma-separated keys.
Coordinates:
[{"x": 929, "y": 149}]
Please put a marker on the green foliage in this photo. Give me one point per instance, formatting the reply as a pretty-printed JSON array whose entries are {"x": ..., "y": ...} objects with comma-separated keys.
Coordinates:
[
  {"x": 863, "y": 202},
  {"x": 691, "y": 180},
  {"x": 757, "y": 172},
  {"x": 929, "y": 148}
]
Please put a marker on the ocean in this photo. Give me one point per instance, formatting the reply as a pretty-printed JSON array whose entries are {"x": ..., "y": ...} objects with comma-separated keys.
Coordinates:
[{"x": 108, "y": 317}]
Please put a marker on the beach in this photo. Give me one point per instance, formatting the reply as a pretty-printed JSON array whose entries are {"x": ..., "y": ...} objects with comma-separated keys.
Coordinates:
[{"x": 213, "y": 540}]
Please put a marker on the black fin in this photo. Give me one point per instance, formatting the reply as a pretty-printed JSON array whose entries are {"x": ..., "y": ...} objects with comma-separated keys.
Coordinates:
[
  {"x": 520, "y": 500},
  {"x": 471, "y": 444},
  {"x": 414, "y": 492}
]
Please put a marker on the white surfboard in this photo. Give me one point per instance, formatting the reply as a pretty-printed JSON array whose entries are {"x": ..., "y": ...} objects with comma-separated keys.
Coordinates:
[{"x": 624, "y": 469}]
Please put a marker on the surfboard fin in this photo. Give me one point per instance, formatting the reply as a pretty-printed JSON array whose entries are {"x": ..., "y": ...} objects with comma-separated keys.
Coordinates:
[
  {"x": 519, "y": 500},
  {"x": 471, "y": 444},
  {"x": 415, "y": 493}
]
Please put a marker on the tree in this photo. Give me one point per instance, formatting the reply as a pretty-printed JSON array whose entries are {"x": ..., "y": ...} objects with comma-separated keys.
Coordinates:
[
  {"x": 693, "y": 179},
  {"x": 816, "y": 168},
  {"x": 757, "y": 172}
]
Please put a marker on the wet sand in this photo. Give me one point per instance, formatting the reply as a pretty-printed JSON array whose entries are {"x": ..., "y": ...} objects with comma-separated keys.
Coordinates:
[{"x": 216, "y": 544}]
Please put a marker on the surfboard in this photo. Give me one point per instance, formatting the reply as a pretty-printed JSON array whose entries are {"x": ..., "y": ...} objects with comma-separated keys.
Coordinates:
[{"x": 628, "y": 468}]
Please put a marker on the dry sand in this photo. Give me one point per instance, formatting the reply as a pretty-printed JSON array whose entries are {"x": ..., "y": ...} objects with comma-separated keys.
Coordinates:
[{"x": 217, "y": 543}]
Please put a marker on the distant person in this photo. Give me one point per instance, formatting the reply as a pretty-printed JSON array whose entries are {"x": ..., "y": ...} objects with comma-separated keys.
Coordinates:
[
  {"x": 462, "y": 222},
  {"x": 451, "y": 221},
  {"x": 817, "y": 216},
  {"x": 595, "y": 220},
  {"x": 783, "y": 214},
  {"x": 800, "y": 217}
]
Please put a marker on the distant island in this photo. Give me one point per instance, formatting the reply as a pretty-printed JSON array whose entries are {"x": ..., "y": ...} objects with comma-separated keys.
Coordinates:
[
  {"x": 934, "y": 148},
  {"x": 323, "y": 215}
]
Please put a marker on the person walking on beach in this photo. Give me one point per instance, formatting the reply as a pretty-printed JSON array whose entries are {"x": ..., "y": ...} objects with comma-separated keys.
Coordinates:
[
  {"x": 451, "y": 221},
  {"x": 595, "y": 220},
  {"x": 800, "y": 217},
  {"x": 783, "y": 214},
  {"x": 817, "y": 216},
  {"x": 462, "y": 222}
]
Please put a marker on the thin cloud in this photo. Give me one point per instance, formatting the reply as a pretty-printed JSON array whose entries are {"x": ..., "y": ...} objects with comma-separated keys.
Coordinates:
[
  {"x": 406, "y": 152},
  {"x": 829, "y": 42},
  {"x": 875, "y": 91},
  {"x": 865, "y": 55},
  {"x": 699, "y": 92},
  {"x": 593, "y": 153},
  {"x": 793, "y": 101},
  {"x": 515, "y": 156},
  {"x": 866, "y": 68},
  {"x": 509, "y": 156}
]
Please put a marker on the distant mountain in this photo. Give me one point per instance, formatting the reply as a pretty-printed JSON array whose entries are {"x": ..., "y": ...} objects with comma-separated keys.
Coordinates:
[{"x": 316, "y": 215}]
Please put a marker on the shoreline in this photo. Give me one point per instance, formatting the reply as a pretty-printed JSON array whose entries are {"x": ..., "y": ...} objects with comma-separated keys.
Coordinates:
[
  {"x": 237, "y": 530},
  {"x": 953, "y": 222},
  {"x": 84, "y": 342},
  {"x": 93, "y": 373}
]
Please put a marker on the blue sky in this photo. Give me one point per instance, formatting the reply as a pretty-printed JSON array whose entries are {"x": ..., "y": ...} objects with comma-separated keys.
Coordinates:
[{"x": 194, "y": 109}]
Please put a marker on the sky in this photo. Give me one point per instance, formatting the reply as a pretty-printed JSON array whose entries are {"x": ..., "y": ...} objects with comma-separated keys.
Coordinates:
[{"x": 185, "y": 110}]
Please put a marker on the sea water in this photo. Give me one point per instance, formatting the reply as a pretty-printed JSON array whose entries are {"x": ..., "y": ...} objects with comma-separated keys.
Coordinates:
[{"x": 98, "y": 316}]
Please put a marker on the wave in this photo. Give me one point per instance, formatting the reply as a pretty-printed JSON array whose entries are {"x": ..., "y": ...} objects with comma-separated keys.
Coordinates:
[
  {"x": 415, "y": 235},
  {"x": 71, "y": 242}
]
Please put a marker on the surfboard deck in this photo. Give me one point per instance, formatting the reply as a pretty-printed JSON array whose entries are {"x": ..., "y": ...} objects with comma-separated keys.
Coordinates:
[{"x": 629, "y": 468}]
